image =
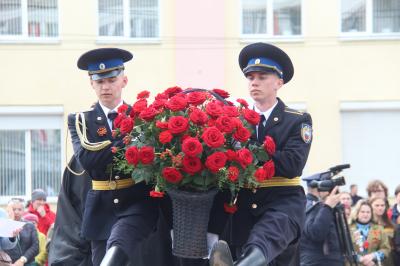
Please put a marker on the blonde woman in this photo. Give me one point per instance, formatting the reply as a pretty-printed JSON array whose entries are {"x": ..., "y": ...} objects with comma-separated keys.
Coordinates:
[{"x": 369, "y": 239}]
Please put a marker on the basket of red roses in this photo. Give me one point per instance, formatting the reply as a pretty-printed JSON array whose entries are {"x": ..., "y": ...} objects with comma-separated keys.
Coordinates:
[{"x": 190, "y": 143}]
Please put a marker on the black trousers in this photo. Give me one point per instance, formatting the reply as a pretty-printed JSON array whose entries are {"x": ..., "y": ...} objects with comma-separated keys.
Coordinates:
[{"x": 127, "y": 233}]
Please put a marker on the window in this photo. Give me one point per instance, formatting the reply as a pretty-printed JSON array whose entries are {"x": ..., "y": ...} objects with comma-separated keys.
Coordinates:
[
  {"x": 370, "y": 17},
  {"x": 30, "y": 151},
  {"x": 28, "y": 19},
  {"x": 271, "y": 18},
  {"x": 130, "y": 19},
  {"x": 370, "y": 142}
]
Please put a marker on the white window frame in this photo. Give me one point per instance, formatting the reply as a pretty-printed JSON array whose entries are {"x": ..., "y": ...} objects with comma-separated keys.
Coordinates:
[
  {"x": 368, "y": 34},
  {"x": 127, "y": 28},
  {"x": 47, "y": 117},
  {"x": 249, "y": 38},
  {"x": 24, "y": 37}
]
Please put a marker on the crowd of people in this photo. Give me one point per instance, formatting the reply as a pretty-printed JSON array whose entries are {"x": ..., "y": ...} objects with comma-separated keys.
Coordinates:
[
  {"x": 30, "y": 243},
  {"x": 374, "y": 227}
]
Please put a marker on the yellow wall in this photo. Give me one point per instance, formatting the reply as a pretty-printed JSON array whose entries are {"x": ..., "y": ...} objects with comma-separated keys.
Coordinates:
[{"x": 328, "y": 70}]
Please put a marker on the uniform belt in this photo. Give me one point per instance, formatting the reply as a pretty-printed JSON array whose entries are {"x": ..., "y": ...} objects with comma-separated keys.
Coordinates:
[
  {"x": 112, "y": 184},
  {"x": 278, "y": 181}
]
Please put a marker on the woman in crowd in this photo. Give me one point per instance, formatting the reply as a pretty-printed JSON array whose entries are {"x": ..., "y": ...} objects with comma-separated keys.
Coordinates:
[
  {"x": 7, "y": 243},
  {"x": 41, "y": 258},
  {"x": 27, "y": 242},
  {"x": 346, "y": 201},
  {"x": 380, "y": 217},
  {"x": 41, "y": 209},
  {"x": 369, "y": 239}
]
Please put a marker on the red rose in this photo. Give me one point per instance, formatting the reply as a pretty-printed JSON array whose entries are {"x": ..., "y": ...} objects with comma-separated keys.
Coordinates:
[
  {"x": 143, "y": 94},
  {"x": 241, "y": 134},
  {"x": 162, "y": 125},
  {"x": 146, "y": 155},
  {"x": 161, "y": 96},
  {"x": 366, "y": 244},
  {"x": 260, "y": 174},
  {"x": 269, "y": 168},
  {"x": 191, "y": 165},
  {"x": 126, "y": 125},
  {"x": 165, "y": 137},
  {"x": 251, "y": 116},
  {"x": 222, "y": 93},
  {"x": 233, "y": 173},
  {"x": 216, "y": 161},
  {"x": 244, "y": 157},
  {"x": 230, "y": 208},
  {"x": 158, "y": 104},
  {"x": 177, "y": 103},
  {"x": 213, "y": 138},
  {"x": 138, "y": 106},
  {"x": 198, "y": 117},
  {"x": 156, "y": 194},
  {"x": 114, "y": 149},
  {"x": 118, "y": 120},
  {"x": 214, "y": 109},
  {"x": 243, "y": 103},
  {"x": 132, "y": 155},
  {"x": 178, "y": 124},
  {"x": 211, "y": 123},
  {"x": 192, "y": 147},
  {"x": 122, "y": 109},
  {"x": 196, "y": 97},
  {"x": 225, "y": 124},
  {"x": 172, "y": 175},
  {"x": 231, "y": 111},
  {"x": 231, "y": 155},
  {"x": 269, "y": 145},
  {"x": 148, "y": 114},
  {"x": 172, "y": 91}
]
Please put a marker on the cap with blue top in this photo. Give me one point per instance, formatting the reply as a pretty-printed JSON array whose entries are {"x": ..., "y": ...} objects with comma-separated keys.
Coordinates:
[
  {"x": 264, "y": 57},
  {"x": 104, "y": 62}
]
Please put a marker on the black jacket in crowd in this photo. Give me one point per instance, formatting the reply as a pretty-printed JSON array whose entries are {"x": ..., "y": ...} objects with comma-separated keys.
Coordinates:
[
  {"x": 319, "y": 244},
  {"x": 27, "y": 245}
]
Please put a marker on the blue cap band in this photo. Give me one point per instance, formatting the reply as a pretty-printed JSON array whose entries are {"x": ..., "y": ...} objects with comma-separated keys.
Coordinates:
[
  {"x": 104, "y": 65},
  {"x": 264, "y": 63}
]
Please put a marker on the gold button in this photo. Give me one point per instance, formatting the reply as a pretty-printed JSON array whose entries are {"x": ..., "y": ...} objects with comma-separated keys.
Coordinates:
[
  {"x": 116, "y": 177},
  {"x": 112, "y": 184},
  {"x": 276, "y": 119},
  {"x": 254, "y": 206},
  {"x": 116, "y": 201},
  {"x": 254, "y": 191}
]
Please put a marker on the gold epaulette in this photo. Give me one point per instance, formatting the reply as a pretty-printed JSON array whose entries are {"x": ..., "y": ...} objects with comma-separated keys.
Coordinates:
[
  {"x": 91, "y": 146},
  {"x": 293, "y": 111}
]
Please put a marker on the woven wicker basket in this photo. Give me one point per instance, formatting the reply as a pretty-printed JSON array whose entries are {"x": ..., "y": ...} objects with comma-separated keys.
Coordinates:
[{"x": 191, "y": 212}]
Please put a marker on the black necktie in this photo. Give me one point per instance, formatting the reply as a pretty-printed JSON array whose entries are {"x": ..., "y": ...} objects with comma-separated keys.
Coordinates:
[
  {"x": 112, "y": 115},
  {"x": 261, "y": 129}
]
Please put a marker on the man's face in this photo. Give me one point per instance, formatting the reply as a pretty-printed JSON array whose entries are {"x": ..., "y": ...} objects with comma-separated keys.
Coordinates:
[
  {"x": 354, "y": 190},
  {"x": 37, "y": 203},
  {"x": 378, "y": 192},
  {"x": 109, "y": 90},
  {"x": 345, "y": 199},
  {"x": 263, "y": 86}
]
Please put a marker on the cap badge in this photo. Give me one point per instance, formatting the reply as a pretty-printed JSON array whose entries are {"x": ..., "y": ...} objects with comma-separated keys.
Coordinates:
[
  {"x": 102, "y": 66},
  {"x": 306, "y": 133},
  {"x": 257, "y": 61},
  {"x": 102, "y": 131}
]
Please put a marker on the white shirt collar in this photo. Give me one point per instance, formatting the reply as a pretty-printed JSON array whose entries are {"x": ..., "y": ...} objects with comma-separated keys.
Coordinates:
[
  {"x": 266, "y": 113},
  {"x": 106, "y": 110}
]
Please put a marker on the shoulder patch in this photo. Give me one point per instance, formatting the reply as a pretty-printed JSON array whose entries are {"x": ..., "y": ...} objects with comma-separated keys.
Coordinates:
[
  {"x": 293, "y": 111},
  {"x": 306, "y": 132}
]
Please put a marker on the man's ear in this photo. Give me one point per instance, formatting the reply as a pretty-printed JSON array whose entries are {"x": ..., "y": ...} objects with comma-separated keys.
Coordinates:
[{"x": 125, "y": 80}]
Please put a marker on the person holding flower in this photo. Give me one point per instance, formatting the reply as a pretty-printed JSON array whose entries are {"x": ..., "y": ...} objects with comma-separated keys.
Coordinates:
[
  {"x": 267, "y": 224},
  {"x": 118, "y": 212},
  {"x": 369, "y": 239}
]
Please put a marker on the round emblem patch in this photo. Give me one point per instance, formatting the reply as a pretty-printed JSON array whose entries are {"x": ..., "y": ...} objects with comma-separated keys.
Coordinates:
[
  {"x": 257, "y": 61},
  {"x": 102, "y": 66},
  {"x": 306, "y": 133}
]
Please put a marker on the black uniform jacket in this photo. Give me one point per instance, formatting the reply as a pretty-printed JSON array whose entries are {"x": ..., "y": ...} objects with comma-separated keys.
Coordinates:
[
  {"x": 285, "y": 126},
  {"x": 103, "y": 207}
]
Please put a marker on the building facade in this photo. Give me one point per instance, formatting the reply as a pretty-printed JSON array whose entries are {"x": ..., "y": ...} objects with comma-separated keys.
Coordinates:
[{"x": 346, "y": 55}]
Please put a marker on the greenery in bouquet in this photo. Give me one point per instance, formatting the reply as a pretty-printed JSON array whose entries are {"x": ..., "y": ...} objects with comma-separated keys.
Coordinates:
[{"x": 192, "y": 140}]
